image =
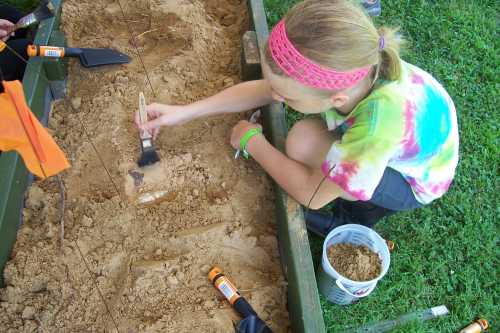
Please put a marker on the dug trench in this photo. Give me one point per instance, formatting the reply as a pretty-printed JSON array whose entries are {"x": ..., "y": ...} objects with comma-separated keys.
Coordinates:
[{"x": 149, "y": 262}]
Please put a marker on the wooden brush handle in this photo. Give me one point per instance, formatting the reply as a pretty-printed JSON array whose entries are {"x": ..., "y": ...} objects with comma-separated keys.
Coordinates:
[{"x": 143, "y": 115}]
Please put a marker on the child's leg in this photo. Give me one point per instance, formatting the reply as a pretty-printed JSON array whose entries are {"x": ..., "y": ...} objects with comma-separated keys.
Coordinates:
[
  {"x": 392, "y": 194},
  {"x": 309, "y": 141}
]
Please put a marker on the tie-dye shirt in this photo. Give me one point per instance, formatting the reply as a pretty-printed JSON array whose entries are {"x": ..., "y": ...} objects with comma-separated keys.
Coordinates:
[{"x": 409, "y": 125}]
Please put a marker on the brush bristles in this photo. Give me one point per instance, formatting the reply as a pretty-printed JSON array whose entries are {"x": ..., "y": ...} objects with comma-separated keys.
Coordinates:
[{"x": 148, "y": 158}]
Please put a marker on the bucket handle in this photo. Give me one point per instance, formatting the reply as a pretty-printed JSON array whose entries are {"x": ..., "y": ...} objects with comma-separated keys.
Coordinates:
[{"x": 344, "y": 289}]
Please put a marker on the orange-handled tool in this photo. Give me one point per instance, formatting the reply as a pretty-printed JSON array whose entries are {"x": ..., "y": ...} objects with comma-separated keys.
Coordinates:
[
  {"x": 251, "y": 323},
  {"x": 478, "y": 326},
  {"x": 49, "y": 51},
  {"x": 88, "y": 57}
]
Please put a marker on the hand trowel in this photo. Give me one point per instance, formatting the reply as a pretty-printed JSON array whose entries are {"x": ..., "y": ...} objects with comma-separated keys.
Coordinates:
[{"x": 88, "y": 57}]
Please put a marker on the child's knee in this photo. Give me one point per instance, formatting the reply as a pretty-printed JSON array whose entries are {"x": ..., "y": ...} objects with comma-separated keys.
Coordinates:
[{"x": 306, "y": 140}]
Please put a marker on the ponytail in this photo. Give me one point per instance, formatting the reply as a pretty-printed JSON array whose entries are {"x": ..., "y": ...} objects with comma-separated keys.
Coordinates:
[{"x": 390, "y": 43}]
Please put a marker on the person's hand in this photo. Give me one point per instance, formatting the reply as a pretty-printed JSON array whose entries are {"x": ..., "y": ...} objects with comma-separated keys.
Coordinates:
[
  {"x": 239, "y": 130},
  {"x": 162, "y": 115},
  {"x": 5, "y": 28}
]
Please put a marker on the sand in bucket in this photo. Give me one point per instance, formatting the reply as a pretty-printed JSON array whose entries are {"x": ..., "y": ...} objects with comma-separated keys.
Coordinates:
[
  {"x": 355, "y": 262},
  {"x": 359, "y": 257}
]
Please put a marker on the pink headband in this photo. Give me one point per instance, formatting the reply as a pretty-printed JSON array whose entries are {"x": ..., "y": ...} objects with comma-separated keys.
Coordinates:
[{"x": 304, "y": 70}]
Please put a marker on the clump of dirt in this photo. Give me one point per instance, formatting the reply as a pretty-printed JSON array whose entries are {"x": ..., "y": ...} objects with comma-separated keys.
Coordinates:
[
  {"x": 355, "y": 262},
  {"x": 148, "y": 261}
]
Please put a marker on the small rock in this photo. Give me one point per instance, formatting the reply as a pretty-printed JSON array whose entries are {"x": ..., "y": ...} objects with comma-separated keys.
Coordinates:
[
  {"x": 27, "y": 230},
  {"x": 209, "y": 304},
  {"x": 223, "y": 185},
  {"x": 28, "y": 313},
  {"x": 122, "y": 79},
  {"x": 188, "y": 158},
  {"x": 159, "y": 252},
  {"x": 179, "y": 275},
  {"x": 228, "y": 20},
  {"x": 50, "y": 231},
  {"x": 17, "y": 308},
  {"x": 76, "y": 102},
  {"x": 35, "y": 198},
  {"x": 172, "y": 280},
  {"x": 87, "y": 221},
  {"x": 165, "y": 78},
  {"x": 196, "y": 192},
  {"x": 38, "y": 285},
  {"x": 228, "y": 82}
]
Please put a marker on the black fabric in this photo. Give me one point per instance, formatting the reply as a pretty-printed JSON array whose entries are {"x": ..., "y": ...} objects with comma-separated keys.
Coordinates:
[
  {"x": 12, "y": 67},
  {"x": 392, "y": 194}
]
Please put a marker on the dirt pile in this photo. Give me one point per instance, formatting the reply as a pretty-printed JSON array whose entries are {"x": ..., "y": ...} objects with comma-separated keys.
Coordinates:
[
  {"x": 355, "y": 262},
  {"x": 150, "y": 262}
]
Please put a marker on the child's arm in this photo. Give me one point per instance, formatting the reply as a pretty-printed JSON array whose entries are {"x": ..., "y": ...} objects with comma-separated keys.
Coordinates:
[
  {"x": 298, "y": 180},
  {"x": 241, "y": 97}
]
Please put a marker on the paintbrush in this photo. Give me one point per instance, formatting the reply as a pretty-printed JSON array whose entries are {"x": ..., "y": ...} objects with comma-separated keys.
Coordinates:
[
  {"x": 149, "y": 155},
  {"x": 44, "y": 11}
]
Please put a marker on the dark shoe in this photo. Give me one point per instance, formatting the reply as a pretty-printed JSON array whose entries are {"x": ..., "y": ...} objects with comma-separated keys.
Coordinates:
[
  {"x": 372, "y": 7},
  {"x": 319, "y": 223}
]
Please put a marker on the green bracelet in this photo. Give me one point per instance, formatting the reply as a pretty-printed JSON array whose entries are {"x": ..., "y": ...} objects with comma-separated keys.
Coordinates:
[{"x": 246, "y": 137}]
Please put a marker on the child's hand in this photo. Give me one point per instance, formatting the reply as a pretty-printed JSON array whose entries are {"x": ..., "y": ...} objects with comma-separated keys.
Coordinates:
[
  {"x": 239, "y": 130},
  {"x": 5, "y": 28},
  {"x": 161, "y": 115}
]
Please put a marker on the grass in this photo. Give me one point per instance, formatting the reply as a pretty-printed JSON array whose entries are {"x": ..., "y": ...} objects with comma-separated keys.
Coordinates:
[
  {"x": 23, "y": 5},
  {"x": 447, "y": 253}
]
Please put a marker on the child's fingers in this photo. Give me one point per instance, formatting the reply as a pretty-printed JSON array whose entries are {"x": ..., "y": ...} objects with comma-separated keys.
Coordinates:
[
  {"x": 155, "y": 133},
  {"x": 154, "y": 110},
  {"x": 150, "y": 126},
  {"x": 137, "y": 119}
]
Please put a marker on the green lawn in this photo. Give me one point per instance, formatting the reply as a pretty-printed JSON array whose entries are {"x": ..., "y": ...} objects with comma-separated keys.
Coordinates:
[
  {"x": 446, "y": 253},
  {"x": 23, "y": 5}
]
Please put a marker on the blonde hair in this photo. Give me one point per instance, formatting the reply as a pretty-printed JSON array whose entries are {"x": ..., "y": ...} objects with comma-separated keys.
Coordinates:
[{"x": 339, "y": 34}]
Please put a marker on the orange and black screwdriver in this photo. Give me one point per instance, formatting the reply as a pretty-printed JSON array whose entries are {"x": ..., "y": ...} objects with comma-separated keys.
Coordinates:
[{"x": 251, "y": 322}]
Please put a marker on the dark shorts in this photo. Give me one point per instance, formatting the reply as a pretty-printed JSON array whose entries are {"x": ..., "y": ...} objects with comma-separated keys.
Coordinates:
[
  {"x": 10, "y": 63},
  {"x": 393, "y": 194}
]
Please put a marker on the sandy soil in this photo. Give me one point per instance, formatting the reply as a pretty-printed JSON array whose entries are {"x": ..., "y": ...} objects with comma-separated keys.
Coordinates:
[
  {"x": 355, "y": 262},
  {"x": 149, "y": 261}
]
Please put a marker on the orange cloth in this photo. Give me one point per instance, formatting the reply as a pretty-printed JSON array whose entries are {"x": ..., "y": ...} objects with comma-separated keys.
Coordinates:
[{"x": 20, "y": 130}]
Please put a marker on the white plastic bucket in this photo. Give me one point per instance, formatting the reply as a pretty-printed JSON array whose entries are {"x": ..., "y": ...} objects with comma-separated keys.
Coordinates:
[{"x": 337, "y": 288}]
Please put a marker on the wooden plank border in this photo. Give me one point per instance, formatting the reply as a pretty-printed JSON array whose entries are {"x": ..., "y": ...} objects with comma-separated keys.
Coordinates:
[
  {"x": 303, "y": 298},
  {"x": 15, "y": 178}
]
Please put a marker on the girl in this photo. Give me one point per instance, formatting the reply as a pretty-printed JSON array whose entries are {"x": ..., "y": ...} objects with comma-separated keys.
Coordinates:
[{"x": 388, "y": 140}]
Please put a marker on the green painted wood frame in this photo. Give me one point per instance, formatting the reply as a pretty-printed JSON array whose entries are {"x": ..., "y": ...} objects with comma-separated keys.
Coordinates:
[
  {"x": 303, "y": 298},
  {"x": 14, "y": 177}
]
